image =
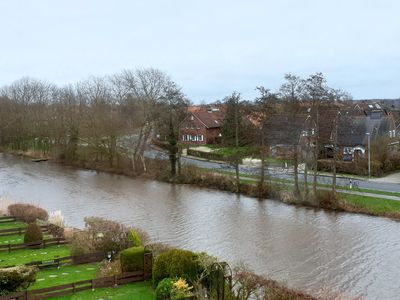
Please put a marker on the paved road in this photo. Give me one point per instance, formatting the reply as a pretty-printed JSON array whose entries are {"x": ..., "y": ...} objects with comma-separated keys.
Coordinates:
[{"x": 279, "y": 173}]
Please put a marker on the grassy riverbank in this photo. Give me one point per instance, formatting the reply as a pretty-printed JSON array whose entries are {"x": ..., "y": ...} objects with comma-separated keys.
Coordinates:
[{"x": 225, "y": 181}]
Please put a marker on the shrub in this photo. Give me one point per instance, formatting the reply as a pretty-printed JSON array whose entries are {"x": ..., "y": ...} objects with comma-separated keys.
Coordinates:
[
  {"x": 327, "y": 199},
  {"x": 157, "y": 248},
  {"x": 164, "y": 288},
  {"x": 80, "y": 243},
  {"x": 181, "y": 290},
  {"x": 55, "y": 230},
  {"x": 134, "y": 237},
  {"x": 33, "y": 234},
  {"x": 107, "y": 236},
  {"x": 16, "y": 278},
  {"x": 132, "y": 259},
  {"x": 57, "y": 218},
  {"x": 176, "y": 263},
  {"x": 109, "y": 268},
  {"x": 27, "y": 212}
]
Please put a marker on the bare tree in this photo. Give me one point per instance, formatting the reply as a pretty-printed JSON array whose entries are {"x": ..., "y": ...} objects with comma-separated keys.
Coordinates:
[{"x": 291, "y": 91}]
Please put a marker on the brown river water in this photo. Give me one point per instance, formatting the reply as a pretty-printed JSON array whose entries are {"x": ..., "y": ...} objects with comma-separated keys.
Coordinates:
[{"x": 304, "y": 248}]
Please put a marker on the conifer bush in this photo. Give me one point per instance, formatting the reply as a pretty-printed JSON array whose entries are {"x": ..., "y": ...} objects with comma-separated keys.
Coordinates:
[{"x": 33, "y": 234}]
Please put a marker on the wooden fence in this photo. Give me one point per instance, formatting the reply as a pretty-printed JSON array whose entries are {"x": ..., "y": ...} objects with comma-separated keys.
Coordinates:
[
  {"x": 66, "y": 260},
  {"x": 5, "y": 219},
  {"x": 72, "y": 288},
  {"x": 40, "y": 244},
  {"x": 20, "y": 230}
]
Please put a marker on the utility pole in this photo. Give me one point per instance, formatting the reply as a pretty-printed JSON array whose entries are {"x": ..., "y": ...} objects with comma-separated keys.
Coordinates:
[
  {"x": 236, "y": 101},
  {"x": 369, "y": 156}
]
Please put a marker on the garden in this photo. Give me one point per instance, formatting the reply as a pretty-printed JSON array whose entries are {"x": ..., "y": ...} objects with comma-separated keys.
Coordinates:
[{"x": 41, "y": 258}]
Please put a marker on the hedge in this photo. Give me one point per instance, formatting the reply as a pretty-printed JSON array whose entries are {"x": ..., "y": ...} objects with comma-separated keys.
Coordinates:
[{"x": 132, "y": 259}]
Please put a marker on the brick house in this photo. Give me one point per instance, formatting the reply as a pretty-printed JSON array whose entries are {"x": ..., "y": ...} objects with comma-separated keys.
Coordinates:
[{"x": 201, "y": 126}]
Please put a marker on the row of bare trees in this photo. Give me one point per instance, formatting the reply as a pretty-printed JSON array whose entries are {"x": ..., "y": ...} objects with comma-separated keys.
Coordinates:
[
  {"x": 104, "y": 116},
  {"x": 280, "y": 117}
]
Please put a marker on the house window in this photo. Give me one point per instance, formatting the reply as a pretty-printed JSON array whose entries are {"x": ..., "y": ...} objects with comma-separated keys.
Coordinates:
[
  {"x": 200, "y": 137},
  {"x": 183, "y": 138},
  {"x": 191, "y": 118}
]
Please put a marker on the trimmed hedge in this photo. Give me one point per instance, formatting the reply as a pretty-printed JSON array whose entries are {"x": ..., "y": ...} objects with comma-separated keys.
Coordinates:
[
  {"x": 132, "y": 259},
  {"x": 176, "y": 263},
  {"x": 357, "y": 167}
]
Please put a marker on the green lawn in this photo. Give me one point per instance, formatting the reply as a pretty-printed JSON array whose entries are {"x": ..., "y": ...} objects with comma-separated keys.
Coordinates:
[
  {"x": 372, "y": 205},
  {"x": 132, "y": 291},
  {"x": 13, "y": 224},
  {"x": 16, "y": 239},
  {"x": 24, "y": 256},
  {"x": 64, "y": 275}
]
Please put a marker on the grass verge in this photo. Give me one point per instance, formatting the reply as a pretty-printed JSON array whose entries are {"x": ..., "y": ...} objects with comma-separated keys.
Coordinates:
[
  {"x": 131, "y": 291},
  {"x": 16, "y": 239},
  {"x": 20, "y": 257},
  {"x": 13, "y": 224},
  {"x": 64, "y": 275},
  {"x": 370, "y": 205}
]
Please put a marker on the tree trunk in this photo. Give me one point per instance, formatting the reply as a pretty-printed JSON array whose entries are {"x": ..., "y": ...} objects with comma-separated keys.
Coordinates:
[
  {"x": 316, "y": 150},
  {"x": 237, "y": 175},
  {"x": 296, "y": 171}
]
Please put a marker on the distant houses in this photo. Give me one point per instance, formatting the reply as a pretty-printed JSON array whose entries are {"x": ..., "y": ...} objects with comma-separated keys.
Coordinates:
[
  {"x": 350, "y": 125},
  {"x": 346, "y": 124}
]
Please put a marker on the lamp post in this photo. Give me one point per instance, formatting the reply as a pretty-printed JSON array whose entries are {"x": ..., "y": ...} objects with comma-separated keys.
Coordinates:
[{"x": 369, "y": 155}]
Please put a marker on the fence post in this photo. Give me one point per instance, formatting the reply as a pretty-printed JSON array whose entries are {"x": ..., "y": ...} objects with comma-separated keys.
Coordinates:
[
  {"x": 73, "y": 288},
  {"x": 19, "y": 231},
  {"x": 92, "y": 284},
  {"x": 148, "y": 265},
  {"x": 26, "y": 295},
  {"x": 115, "y": 280},
  {"x": 9, "y": 247},
  {"x": 44, "y": 243}
]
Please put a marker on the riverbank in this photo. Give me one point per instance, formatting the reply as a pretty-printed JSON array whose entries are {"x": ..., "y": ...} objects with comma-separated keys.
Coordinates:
[{"x": 374, "y": 204}]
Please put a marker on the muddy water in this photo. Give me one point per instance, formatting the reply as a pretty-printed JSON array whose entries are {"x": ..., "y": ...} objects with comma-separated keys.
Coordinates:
[{"x": 308, "y": 249}]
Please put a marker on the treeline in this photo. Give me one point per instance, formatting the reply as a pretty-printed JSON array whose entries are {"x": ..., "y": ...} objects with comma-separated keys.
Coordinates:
[
  {"x": 113, "y": 118},
  {"x": 102, "y": 116}
]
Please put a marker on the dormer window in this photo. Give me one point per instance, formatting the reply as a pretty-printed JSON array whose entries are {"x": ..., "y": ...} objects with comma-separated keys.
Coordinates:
[{"x": 192, "y": 117}]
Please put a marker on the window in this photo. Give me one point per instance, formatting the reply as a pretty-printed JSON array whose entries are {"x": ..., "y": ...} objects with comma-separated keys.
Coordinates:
[
  {"x": 200, "y": 137},
  {"x": 183, "y": 138}
]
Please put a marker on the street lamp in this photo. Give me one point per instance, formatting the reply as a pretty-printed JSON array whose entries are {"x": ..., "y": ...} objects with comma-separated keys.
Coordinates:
[{"x": 369, "y": 154}]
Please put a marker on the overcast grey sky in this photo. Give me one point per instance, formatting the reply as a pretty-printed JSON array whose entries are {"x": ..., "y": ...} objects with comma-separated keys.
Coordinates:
[{"x": 210, "y": 48}]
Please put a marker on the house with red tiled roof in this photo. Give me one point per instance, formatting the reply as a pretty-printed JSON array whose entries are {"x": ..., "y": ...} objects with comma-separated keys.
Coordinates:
[{"x": 201, "y": 126}]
